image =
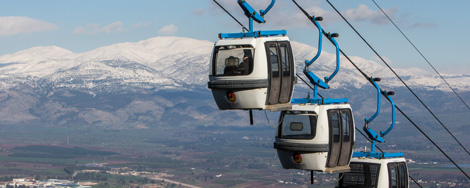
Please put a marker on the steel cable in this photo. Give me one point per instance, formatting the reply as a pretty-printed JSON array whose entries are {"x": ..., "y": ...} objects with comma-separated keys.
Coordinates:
[
  {"x": 231, "y": 15},
  {"x": 406, "y": 85},
  {"x": 429, "y": 63},
  {"x": 365, "y": 75}
]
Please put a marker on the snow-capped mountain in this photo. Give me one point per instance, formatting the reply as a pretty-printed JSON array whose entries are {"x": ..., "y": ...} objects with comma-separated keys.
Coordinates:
[
  {"x": 349, "y": 76},
  {"x": 177, "y": 62},
  {"x": 155, "y": 81},
  {"x": 157, "y": 62}
]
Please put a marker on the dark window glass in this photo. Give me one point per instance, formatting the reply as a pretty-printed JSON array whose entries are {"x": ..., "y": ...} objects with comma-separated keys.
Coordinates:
[
  {"x": 398, "y": 175},
  {"x": 335, "y": 125},
  {"x": 392, "y": 173},
  {"x": 233, "y": 60},
  {"x": 361, "y": 175},
  {"x": 298, "y": 125},
  {"x": 274, "y": 60},
  {"x": 285, "y": 59},
  {"x": 402, "y": 175},
  {"x": 345, "y": 122}
]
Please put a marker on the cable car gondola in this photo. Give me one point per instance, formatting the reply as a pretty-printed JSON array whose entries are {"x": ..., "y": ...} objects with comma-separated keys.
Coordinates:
[
  {"x": 317, "y": 134},
  {"x": 316, "y": 137},
  {"x": 253, "y": 69},
  {"x": 374, "y": 172},
  {"x": 252, "y": 72}
]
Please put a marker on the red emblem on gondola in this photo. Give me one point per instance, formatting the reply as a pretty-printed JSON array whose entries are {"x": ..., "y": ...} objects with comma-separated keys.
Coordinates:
[
  {"x": 231, "y": 96},
  {"x": 297, "y": 157}
]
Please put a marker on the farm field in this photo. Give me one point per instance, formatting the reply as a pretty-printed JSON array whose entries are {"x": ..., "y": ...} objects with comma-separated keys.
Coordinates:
[{"x": 202, "y": 156}]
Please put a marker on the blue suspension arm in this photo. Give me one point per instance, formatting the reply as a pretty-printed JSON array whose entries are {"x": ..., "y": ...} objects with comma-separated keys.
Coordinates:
[
  {"x": 251, "y": 13},
  {"x": 371, "y": 133},
  {"x": 310, "y": 75},
  {"x": 253, "y": 16},
  {"x": 374, "y": 82},
  {"x": 315, "y": 80},
  {"x": 332, "y": 39},
  {"x": 388, "y": 94},
  {"x": 264, "y": 12},
  {"x": 374, "y": 136},
  {"x": 320, "y": 41}
]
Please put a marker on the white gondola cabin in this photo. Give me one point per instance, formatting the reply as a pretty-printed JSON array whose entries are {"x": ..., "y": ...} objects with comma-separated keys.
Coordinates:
[
  {"x": 316, "y": 137},
  {"x": 252, "y": 72},
  {"x": 374, "y": 172}
]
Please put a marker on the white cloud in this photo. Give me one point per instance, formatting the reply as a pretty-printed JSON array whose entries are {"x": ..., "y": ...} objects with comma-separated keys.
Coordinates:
[
  {"x": 89, "y": 29},
  {"x": 363, "y": 13},
  {"x": 96, "y": 28},
  {"x": 168, "y": 30},
  {"x": 13, "y": 25},
  {"x": 113, "y": 27}
]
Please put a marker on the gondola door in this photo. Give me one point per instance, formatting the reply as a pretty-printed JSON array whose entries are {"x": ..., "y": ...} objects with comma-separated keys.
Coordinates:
[
  {"x": 281, "y": 74},
  {"x": 398, "y": 175},
  {"x": 287, "y": 72},
  {"x": 341, "y": 137},
  {"x": 347, "y": 141}
]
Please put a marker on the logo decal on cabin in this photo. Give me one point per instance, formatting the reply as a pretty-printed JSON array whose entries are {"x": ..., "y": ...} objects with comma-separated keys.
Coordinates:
[{"x": 231, "y": 96}]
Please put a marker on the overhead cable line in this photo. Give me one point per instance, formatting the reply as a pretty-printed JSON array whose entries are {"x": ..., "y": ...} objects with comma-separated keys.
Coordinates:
[
  {"x": 358, "y": 130},
  {"x": 367, "y": 77},
  {"x": 411, "y": 121},
  {"x": 243, "y": 27},
  {"x": 432, "y": 141},
  {"x": 453, "y": 90},
  {"x": 415, "y": 181},
  {"x": 406, "y": 85}
]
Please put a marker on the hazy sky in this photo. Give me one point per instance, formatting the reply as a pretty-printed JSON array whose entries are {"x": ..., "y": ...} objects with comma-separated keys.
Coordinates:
[{"x": 438, "y": 28}]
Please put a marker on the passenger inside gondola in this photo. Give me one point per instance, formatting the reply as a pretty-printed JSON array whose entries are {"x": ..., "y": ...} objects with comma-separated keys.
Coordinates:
[
  {"x": 244, "y": 67},
  {"x": 231, "y": 64}
]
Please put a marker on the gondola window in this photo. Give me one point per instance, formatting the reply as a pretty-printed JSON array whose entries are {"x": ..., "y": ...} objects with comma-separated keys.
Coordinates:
[
  {"x": 233, "y": 60},
  {"x": 297, "y": 126}
]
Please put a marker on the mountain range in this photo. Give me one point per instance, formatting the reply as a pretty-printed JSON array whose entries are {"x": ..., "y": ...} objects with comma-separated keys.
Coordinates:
[{"x": 162, "y": 81}]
